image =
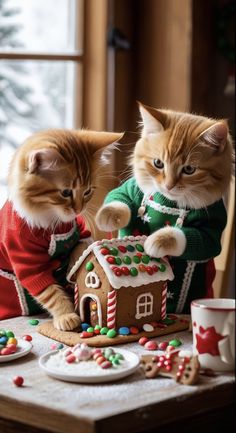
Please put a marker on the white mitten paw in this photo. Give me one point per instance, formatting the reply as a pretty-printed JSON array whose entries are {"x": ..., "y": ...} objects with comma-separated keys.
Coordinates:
[
  {"x": 169, "y": 241},
  {"x": 67, "y": 322},
  {"x": 113, "y": 216}
]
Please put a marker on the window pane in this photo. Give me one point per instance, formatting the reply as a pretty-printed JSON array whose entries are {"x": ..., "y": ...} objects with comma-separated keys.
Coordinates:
[
  {"x": 36, "y": 25},
  {"x": 34, "y": 95}
]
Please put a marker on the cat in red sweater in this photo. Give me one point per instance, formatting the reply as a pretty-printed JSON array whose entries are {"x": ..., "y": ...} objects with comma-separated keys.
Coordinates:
[{"x": 52, "y": 179}]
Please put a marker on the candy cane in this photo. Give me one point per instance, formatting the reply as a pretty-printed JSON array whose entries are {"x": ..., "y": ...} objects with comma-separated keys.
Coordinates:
[
  {"x": 76, "y": 296},
  {"x": 111, "y": 309},
  {"x": 163, "y": 302}
]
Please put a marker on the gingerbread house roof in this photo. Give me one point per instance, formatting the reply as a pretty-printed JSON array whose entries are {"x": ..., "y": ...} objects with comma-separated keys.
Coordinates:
[{"x": 125, "y": 263}]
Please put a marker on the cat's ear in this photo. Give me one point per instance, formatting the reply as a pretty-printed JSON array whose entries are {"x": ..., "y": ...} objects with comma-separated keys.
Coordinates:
[
  {"x": 153, "y": 120},
  {"x": 44, "y": 159},
  {"x": 101, "y": 140},
  {"x": 216, "y": 136}
]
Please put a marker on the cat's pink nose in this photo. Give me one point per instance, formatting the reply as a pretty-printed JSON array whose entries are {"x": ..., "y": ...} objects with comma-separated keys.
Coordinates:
[{"x": 169, "y": 185}]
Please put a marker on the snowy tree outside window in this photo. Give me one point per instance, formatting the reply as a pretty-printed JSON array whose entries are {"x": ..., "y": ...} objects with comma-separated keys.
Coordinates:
[{"x": 35, "y": 93}]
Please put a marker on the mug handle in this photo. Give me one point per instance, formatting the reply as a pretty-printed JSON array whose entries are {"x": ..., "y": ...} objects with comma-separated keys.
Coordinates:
[{"x": 227, "y": 345}]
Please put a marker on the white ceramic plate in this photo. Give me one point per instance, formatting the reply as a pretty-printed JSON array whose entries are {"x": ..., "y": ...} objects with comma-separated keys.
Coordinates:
[
  {"x": 23, "y": 347},
  {"x": 91, "y": 375}
]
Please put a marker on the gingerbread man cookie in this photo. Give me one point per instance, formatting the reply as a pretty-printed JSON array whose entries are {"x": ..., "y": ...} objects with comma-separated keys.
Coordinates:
[{"x": 184, "y": 370}]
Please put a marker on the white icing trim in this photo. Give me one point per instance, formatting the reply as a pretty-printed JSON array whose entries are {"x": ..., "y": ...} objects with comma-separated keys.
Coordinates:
[
  {"x": 90, "y": 277},
  {"x": 146, "y": 304},
  {"x": 81, "y": 307},
  {"x": 167, "y": 210},
  {"x": 59, "y": 237},
  {"x": 185, "y": 286},
  {"x": 19, "y": 291},
  {"x": 123, "y": 281}
]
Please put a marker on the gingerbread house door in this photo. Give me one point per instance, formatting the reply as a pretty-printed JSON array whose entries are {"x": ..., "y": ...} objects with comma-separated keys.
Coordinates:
[{"x": 90, "y": 309}]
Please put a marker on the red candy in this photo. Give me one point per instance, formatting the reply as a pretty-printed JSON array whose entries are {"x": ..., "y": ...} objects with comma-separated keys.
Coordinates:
[
  {"x": 18, "y": 380},
  {"x": 149, "y": 270},
  {"x": 125, "y": 270},
  {"x": 118, "y": 272},
  {"x": 133, "y": 330},
  {"x": 70, "y": 358},
  {"x": 6, "y": 351},
  {"x": 27, "y": 337},
  {"x": 163, "y": 345},
  {"x": 150, "y": 345},
  {"x": 86, "y": 334},
  {"x": 104, "y": 251},
  {"x": 111, "y": 260},
  {"x": 143, "y": 340},
  {"x": 122, "y": 248}
]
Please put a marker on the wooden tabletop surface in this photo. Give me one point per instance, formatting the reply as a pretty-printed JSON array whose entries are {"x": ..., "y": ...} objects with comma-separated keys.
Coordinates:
[{"x": 132, "y": 404}]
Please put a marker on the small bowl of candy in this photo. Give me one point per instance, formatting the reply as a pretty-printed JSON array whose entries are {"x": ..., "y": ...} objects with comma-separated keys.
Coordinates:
[{"x": 12, "y": 347}]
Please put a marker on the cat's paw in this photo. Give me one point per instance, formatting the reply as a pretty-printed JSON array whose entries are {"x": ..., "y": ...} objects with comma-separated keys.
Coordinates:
[
  {"x": 113, "y": 216},
  {"x": 67, "y": 322},
  {"x": 169, "y": 241}
]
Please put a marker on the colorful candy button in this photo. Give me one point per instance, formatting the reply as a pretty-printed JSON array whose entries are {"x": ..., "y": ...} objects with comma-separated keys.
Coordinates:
[
  {"x": 33, "y": 322},
  {"x": 145, "y": 259},
  {"x": 151, "y": 345},
  {"x": 104, "y": 251},
  {"x": 122, "y": 248},
  {"x": 111, "y": 333},
  {"x": 130, "y": 248},
  {"x": 133, "y": 272},
  {"x": 139, "y": 248},
  {"x": 175, "y": 342},
  {"x": 89, "y": 266},
  {"x": 18, "y": 380},
  {"x": 114, "y": 251},
  {"x": 137, "y": 259},
  {"x": 118, "y": 261},
  {"x": 104, "y": 330},
  {"x": 124, "y": 330},
  {"x": 162, "y": 267},
  {"x": 127, "y": 260}
]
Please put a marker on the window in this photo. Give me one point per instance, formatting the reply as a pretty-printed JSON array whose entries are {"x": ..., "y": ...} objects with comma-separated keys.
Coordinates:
[
  {"x": 92, "y": 280},
  {"x": 144, "y": 305},
  {"x": 40, "y": 71}
]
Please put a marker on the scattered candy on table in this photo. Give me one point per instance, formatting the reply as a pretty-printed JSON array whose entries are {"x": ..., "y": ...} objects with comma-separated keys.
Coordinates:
[
  {"x": 27, "y": 338},
  {"x": 18, "y": 380},
  {"x": 167, "y": 346},
  {"x": 34, "y": 322}
]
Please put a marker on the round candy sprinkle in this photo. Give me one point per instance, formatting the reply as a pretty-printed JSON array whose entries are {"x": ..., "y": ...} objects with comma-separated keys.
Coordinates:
[
  {"x": 53, "y": 346},
  {"x": 86, "y": 334},
  {"x": 3, "y": 340},
  {"x": 114, "y": 251},
  {"x": 104, "y": 251},
  {"x": 124, "y": 330},
  {"x": 118, "y": 261},
  {"x": 136, "y": 259},
  {"x": 130, "y": 248},
  {"x": 149, "y": 270},
  {"x": 33, "y": 322},
  {"x": 147, "y": 327},
  {"x": 111, "y": 260},
  {"x": 118, "y": 272},
  {"x": 145, "y": 259},
  {"x": 139, "y": 247},
  {"x": 10, "y": 334},
  {"x": 162, "y": 267},
  {"x": 89, "y": 266},
  {"x": 122, "y": 248},
  {"x": 71, "y": 358},
  {"x": 175, "y": 342},
  {"x": 85, "y": 326},
  {"x": 163, "y": 345},
  {"x": 133, "y": 330},
  {"x": 150, "y": 345},
  {"x": 125, "y": 270},
  {"x": 143, "y": 340},
  {"x": 90, "y": 329},
  {"x": 142, "y": 268},
  {"x": 111, "y": 333},
  {"x": 106, "y": 364},
  {"x": 127, "y": 260},
  {"x": 104, "y": 330},
  {"x": 27, "y": 338},
  {"x": 12, "y": 340},
  {"x": 18, "y": 380},
  {"x": 133, "y": 272}
]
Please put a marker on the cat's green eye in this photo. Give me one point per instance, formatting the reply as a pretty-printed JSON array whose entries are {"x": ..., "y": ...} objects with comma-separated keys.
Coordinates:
[
  {"x": 188, "y": 169},
  {"x": 158, "y": 163},
  {"x": 67, "y": 193}
]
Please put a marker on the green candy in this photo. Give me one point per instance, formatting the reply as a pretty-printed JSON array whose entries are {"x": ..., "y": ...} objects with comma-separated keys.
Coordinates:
[
  {"x": 130, "y": 248},
  {"x": 176, "y": 342},
  {"x": 33, "y": 322},
  {"x": 111, "y": 357},
  {"x": 90, "y": 329},
  {"x": 167, "y": 321},
  {"x": 108, "y": 353},
  {"x": 2, "y": 332},
  {"x": 10, "y": 334},
  {"x": 89, "y": 266},
  {"x": 114, "y": 251},
  {"x": 137, "y": 259},
  {"x": 111, "y": 333},
  {"x": 139, "y": 248},
  {"x": 118, "y": 261},
  {"x": 133, "y": 272},
  {"x": 97, "y": 327},
  {"x": 104, "y": 330},
  {"x": 145, "y": 259},
  {"x": 115, "y": 362},
  {"x": 127, "y": 260},
  {"x": 162, "y": 267},
  {"x": 119, "y": 356}
]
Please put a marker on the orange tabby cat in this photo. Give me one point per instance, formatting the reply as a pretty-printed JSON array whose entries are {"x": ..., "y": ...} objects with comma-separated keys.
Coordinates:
[
  {"x": 182, "y": 166},
  {"x": 52, "y": 178}
]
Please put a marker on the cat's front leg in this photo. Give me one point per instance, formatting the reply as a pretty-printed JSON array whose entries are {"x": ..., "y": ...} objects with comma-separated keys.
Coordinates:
[
  {"x": 168, "y": 241},
  {"x": 59, "y": 305},
  {"x": 113, "y": 216}
]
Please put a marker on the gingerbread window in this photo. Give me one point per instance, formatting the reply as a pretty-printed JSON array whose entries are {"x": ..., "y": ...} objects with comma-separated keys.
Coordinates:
[
  {"x": 92, "y": 280},
  {"x": 144, "y": 305}
]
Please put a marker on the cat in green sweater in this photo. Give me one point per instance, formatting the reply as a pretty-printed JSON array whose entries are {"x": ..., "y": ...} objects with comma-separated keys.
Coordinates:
[{"x": 182, "y": 167}]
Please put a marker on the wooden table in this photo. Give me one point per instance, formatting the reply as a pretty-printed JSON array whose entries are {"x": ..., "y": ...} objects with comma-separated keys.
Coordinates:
[{"x": 133, "y": 404}]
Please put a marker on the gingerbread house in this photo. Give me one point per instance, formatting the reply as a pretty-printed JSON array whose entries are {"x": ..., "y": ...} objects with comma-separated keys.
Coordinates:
[{"x": 118, "y": 285}]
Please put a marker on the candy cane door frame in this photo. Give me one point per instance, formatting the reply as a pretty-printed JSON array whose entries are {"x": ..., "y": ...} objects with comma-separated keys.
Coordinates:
[{"x": 82, "y": 307}]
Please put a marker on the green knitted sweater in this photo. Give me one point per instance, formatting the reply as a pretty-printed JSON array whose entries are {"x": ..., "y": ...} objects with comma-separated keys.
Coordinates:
[{"x": 194, "y": 269}]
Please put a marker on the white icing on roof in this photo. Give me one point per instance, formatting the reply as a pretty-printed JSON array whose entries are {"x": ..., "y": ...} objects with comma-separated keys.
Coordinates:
[{"x": 142, "y": 278}]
